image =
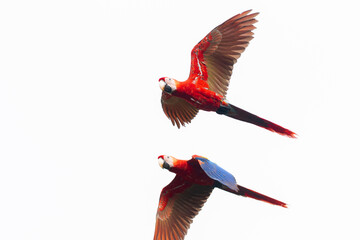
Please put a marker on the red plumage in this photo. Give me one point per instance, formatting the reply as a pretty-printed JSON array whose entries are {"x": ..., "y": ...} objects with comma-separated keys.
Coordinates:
[
  {"x": 182, "y": 199},
  {"x": 212, "y": 61}
]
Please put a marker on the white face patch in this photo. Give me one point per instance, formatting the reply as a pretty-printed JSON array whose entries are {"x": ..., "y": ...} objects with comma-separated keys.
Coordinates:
[
  {"x": 171, "y": 83},
  {"x": 169, "y": 160}
]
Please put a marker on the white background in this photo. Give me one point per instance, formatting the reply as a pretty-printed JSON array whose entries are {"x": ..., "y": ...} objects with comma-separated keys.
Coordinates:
[{"x": 81, "y": 123}]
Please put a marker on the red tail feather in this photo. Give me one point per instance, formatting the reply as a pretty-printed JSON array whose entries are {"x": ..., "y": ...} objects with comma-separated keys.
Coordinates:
[
  {"x": 245, "y": 116},
  {"x": 252, "y": 194}
]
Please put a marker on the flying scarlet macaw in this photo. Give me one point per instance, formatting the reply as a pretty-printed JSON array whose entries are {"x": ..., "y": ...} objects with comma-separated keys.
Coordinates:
[
  {"x": 182, "y": 199},
  {"x": 212, "y": 61}
]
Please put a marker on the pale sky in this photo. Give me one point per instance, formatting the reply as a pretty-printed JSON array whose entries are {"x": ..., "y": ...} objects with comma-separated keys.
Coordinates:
[{"x": 81, "y": 124}]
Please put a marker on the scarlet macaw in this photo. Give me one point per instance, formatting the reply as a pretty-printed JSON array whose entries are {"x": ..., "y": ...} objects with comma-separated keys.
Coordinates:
[
  {"x": 212, "y": 61},
  {"x": 182, "y": 199}
]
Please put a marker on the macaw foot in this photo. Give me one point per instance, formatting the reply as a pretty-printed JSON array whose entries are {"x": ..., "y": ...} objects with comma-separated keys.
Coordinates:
[{"x": 223, "y": 109}]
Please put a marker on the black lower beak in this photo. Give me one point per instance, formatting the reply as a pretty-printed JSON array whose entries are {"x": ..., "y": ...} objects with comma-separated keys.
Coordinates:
[
  {"x": 166, "y": 165},
  {"x": 167, "y": 89}
]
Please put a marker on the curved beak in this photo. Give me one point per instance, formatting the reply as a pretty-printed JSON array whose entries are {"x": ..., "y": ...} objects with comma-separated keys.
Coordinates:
[
  {"x": 162, "y": 85},
  {"x": 162, "y": 162}
]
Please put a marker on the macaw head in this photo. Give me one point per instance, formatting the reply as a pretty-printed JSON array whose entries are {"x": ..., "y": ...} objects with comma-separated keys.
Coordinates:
[
  {"x": 166, "y": 161},
  {"x": 167, "y": 84}
]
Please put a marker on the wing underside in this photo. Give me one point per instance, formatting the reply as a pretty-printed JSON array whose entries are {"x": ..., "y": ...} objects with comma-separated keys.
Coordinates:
[
  {"x": 179, "y": 203},
  {"x": 213, "y": 58}
]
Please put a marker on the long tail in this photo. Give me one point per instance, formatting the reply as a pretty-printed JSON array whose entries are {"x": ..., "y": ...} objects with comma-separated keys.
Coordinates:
[
  {"x": 245, "y": 116},
  {"x": 245, "y": 192}
]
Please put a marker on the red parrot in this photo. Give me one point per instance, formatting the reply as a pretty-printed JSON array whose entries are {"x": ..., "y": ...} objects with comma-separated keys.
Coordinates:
[
  {"x": 182, "y": 199},
  {"x": 212, "y": 61}
]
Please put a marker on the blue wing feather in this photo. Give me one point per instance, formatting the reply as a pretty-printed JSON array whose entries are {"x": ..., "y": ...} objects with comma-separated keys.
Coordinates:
[{"x": 217, "y": 173}]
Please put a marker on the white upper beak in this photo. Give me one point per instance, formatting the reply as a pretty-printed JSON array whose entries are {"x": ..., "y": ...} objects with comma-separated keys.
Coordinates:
[
  {"x": 162, "y": 85},
  {"x": 161, "y": 162}
]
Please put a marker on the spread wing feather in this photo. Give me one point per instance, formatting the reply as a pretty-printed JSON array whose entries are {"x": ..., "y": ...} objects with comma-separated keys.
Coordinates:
[
  {"x": 178, "y": 110},
  {"x": 179, "y": 203},
  {"x": 213, "y": 58}
]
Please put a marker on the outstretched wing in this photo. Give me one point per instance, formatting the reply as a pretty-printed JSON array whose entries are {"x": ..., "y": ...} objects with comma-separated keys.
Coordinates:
[
  {"x": 217, "y": 173},
  {"x": 179, "y": 203},
  {"x": 178, "y": 110},
  {"x": 212, "y": 59}
]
